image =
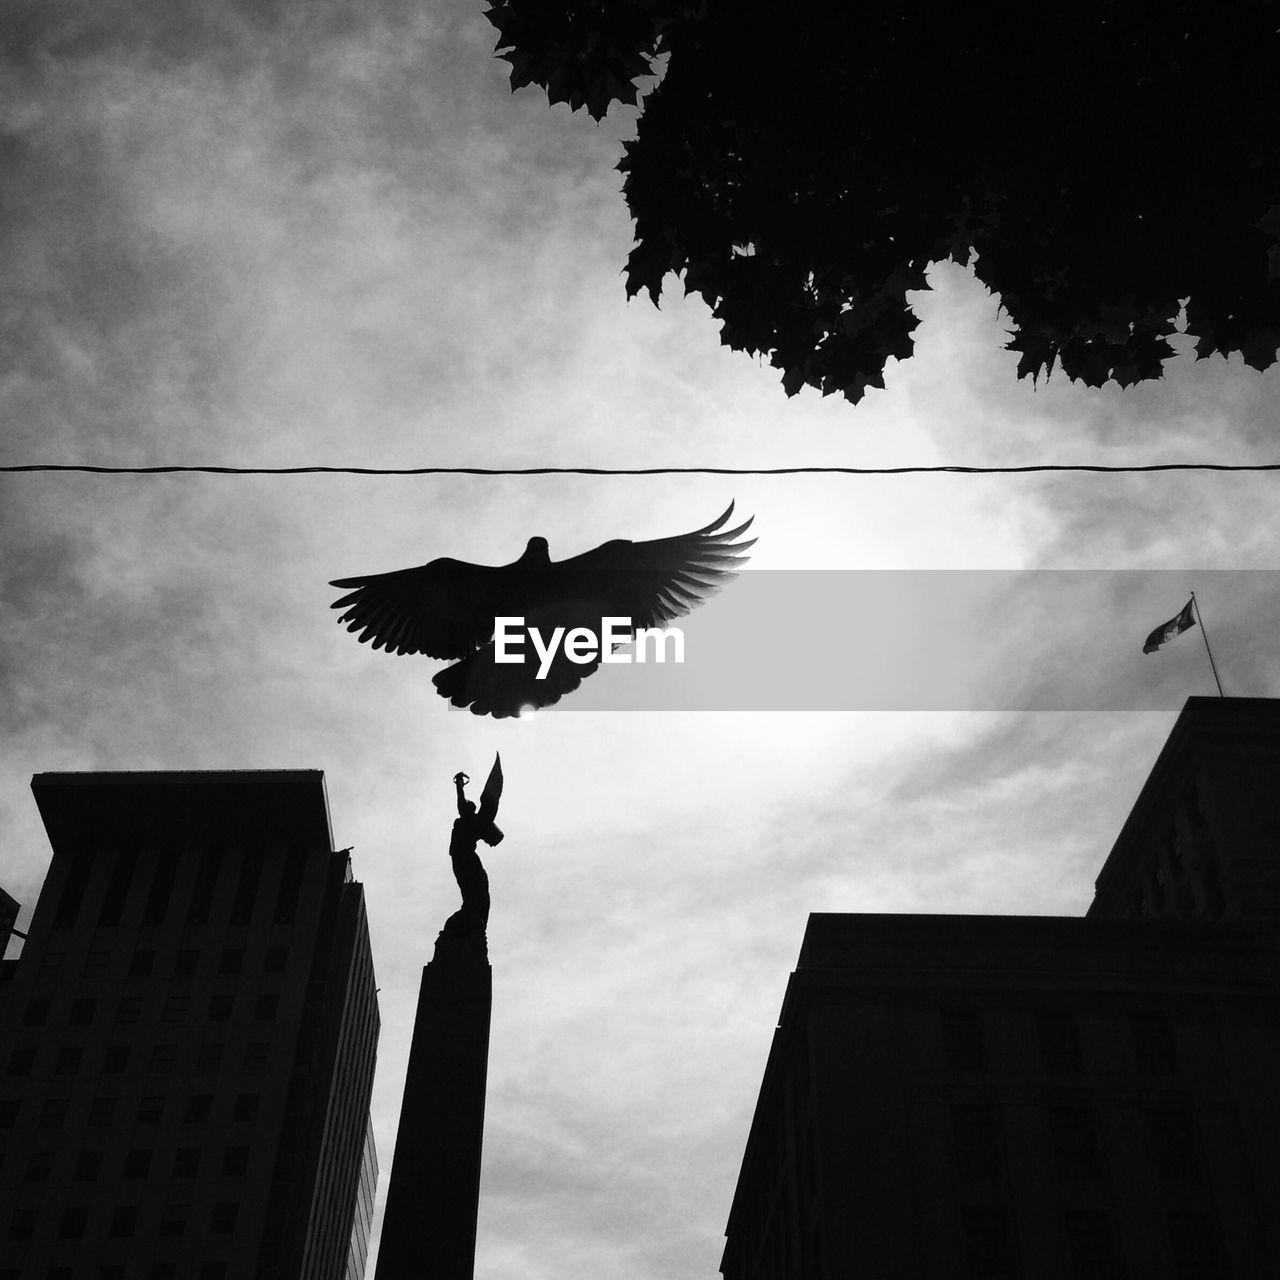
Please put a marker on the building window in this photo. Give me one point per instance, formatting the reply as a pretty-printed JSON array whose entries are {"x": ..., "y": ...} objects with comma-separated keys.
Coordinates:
[
  {"x": 224, "y": 1217},
  {"x": 163, "y": 1271},
  {"x": 137, "y": 1164},
  {"x": 213, "y": 1269},
  {"x": 38, "y": 1166},
  {"x": 1173, "y": 1144},
  {"x": 73, "y": 892},
  {"x": 246, "y": 1107},
  {"x": 88, "y": 1166},
  {"x": 186, "y": 1160},
  {"x": 219, "y": 1008},
  {"x": 71, "y": 1225},
  {"x": 274, "y": 960},
  {"x": 68, "y": 1062},
  {"x": 115, "y": 1060},
  {"x": 963, "y": 1043},
  {"x": 199, "y": 1108},
  {"x": 1154, "y": 1050},
  {"x": 117, "y": 888},
  {"x": 129, "y": 1010},
  {"x": 124, "y": 1220},
  {"x": 8, "y": 1112},
  {"x": 52, "y": 962},
  {"x": 255, "y": 1055},
  {"x": 202, "y": 894},
  {"x": 175, "y": 1009},
  {"x": 1058, "y": 1041},
  {"x": 160, "y": 892},
  {"x": 977, "y": 1150},
  {"x": 150, "y": 1109},
  {"x": 210, "y": 1056},
  {"x": 37, "y": 1013},
  {"x": 53, "y": 1111},
  {"x": 1091, "y": 1245},
  {"x": 1195, "y": 1246},
  {"x": 21, "y": 1062},
  {"x": 22, "y": 1222},
  {"x": 231, "y": 960},
  {"x": 173, "y": 1220},
  {"x": 1215, "y": 903},
  {"x": 266, "y": 1004},
  {"x": 163, "y": 1058},
  {"x": 235, "y": 1160},
  {"x": 1074, "y": 1133},
  {"x": 81, "y": 1011},
  {"x": 141, "y": 963},
  {"x": 102, "y": 1110},
  {"x": 185, "y": 961},
  {"x": 247, "y": 888},
  {"x": 290, "y": 887},
  {"x": 988, "y": 1244}
]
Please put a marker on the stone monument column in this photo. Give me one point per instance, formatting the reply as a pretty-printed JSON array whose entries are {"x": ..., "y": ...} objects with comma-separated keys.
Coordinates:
[{"x": 429, "y": 1227}]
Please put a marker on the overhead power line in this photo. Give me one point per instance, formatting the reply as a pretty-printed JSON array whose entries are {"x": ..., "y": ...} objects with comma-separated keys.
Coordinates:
[{"x": 644, "y": 471}]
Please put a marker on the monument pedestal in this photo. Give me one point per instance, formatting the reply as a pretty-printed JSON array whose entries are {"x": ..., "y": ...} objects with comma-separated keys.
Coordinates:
[{"x": 429, "y": 1228}]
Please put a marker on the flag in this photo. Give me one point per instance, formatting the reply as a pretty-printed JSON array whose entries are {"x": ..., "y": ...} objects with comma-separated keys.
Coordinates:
[{"x": 1166, "y": 631}]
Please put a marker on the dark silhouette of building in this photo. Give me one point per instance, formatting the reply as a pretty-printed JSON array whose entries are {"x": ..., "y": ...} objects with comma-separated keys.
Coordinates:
[
  {"x": 1045, "y": 1097},
  {"x": 187, "y": 1041}
]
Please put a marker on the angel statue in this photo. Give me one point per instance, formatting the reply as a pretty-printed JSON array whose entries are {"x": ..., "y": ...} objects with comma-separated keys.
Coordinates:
[{"x": 469, "y": 827}]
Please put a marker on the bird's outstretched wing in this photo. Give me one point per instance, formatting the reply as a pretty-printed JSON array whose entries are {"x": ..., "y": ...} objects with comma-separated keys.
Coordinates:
[
  {"x": 653, "y": 582},
  {"x": 444, "y": 609}
]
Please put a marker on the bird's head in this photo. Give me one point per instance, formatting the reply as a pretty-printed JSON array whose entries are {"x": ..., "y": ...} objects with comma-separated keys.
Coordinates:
[{"x": 537, "y": 552}]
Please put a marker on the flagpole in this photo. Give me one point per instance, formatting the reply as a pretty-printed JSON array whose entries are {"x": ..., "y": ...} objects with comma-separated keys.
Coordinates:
[{"x": 1207, "y": 650}]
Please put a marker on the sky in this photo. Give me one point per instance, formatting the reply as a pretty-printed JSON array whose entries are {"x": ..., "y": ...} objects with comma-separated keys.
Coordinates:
[{"x": 328, "y": 234}]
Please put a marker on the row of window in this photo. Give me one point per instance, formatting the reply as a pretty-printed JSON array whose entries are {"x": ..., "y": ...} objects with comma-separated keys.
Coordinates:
[
  {"x": 1058, "y": 1041},
  {"x": 1076, "y": 1142},
  {"x": 123, "y": 1223},
  {"x": 157, "y": 907},
  {"x": 117, "y": 1058},
  {"x": 209, "y": 1269},
  {"x": 138, "y": 1163},
  {"x": 1091, "y": 1246},
  {"x": 185, "y": 962},
  {"x": 198, "y": 1109},
  {"x": 176, "y": 1009}
]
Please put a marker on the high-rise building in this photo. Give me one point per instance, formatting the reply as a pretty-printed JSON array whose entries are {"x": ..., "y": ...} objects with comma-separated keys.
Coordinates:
[
  {"x": 1045, "y": 1097},
  {"x": 187, "y": 1040}
]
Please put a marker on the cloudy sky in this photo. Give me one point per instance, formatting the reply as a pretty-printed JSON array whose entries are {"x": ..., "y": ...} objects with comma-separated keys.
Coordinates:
[{"x": 332, "y": 236}]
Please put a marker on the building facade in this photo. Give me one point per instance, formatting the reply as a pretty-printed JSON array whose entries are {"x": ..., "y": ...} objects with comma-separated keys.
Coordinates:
[
  {"x": 1044, "y": 1098},
  {"x": 188, "y": 1037}
]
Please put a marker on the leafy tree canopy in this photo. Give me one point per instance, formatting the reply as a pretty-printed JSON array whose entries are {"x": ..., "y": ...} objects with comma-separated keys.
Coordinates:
[{"x": 1101, "y": 163}]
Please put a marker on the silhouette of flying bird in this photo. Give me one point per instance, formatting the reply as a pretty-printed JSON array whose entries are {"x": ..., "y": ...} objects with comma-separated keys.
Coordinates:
[{"x": 446, "y": 608}]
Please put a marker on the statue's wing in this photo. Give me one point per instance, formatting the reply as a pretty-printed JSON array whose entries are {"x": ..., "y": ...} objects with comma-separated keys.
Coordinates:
[
  {"x": 444, "y": 609},
  {"x": 653, "y": 582},
  {"x": 492, "y": 792}
]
